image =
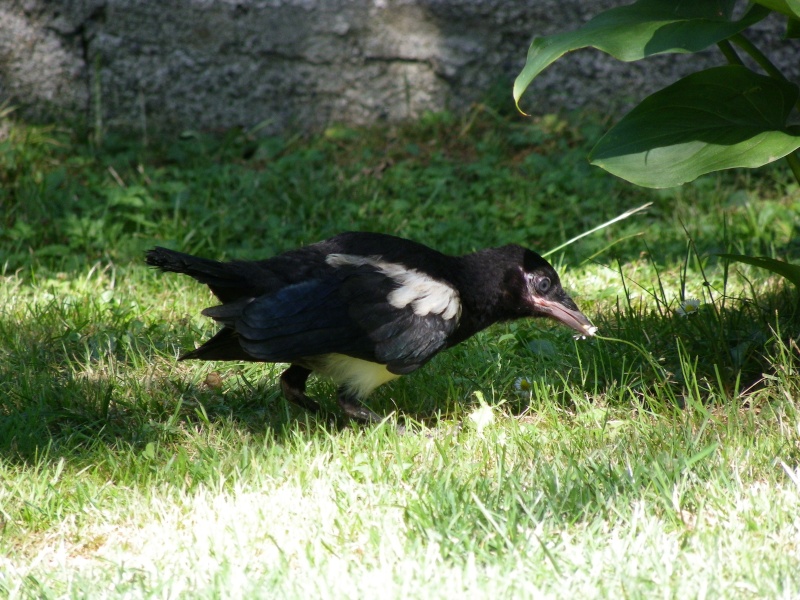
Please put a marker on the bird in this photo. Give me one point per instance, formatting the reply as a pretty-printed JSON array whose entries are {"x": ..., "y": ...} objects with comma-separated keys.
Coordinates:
[{"x": 364, "y": 308}]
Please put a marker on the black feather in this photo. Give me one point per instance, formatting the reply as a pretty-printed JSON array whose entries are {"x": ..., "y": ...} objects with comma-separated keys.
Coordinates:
[
  {"x": 223, "y": 346},
  {"x": 369, "y": 296}
]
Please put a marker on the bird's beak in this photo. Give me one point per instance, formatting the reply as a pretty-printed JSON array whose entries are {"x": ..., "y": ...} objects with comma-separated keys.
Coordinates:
[{"x": 565, "y": 311}]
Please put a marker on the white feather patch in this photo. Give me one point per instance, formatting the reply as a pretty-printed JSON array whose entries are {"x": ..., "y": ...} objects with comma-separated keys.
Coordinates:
[{"x": 425, "y": 294}]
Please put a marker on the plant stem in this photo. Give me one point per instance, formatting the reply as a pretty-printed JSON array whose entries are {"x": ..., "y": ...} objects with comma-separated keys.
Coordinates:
[
  {"x": 729, "y": 52},
  {"x": 794, "y": 164},
  {"x": 624, "y": 215},
  {"x": 97, "y": 104},
  {"x": 758, "y": 56}
]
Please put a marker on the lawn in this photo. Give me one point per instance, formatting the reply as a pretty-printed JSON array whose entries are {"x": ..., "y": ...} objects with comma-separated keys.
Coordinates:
[{"x": 661, "y": 459}]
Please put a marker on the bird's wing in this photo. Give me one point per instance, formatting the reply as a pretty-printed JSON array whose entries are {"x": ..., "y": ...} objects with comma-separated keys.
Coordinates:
[{"x": 361, "y": 307}]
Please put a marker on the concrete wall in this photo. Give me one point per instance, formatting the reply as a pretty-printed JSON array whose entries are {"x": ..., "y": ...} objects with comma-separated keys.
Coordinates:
[{"x": 300, "y": 64}]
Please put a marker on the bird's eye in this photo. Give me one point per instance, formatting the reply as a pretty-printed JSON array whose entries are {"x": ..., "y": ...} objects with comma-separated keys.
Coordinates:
[{"x": 543, "y": 285}]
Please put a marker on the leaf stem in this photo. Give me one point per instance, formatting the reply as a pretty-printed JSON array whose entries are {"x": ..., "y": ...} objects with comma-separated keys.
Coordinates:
[
  {"x": 757, "y": 55},
  {"x": 729, "y": 52},
  {"x": 763, "y": 61}
]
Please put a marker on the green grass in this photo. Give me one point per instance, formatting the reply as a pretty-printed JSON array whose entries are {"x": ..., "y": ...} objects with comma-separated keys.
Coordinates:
[{"x": 661, "y": 460}]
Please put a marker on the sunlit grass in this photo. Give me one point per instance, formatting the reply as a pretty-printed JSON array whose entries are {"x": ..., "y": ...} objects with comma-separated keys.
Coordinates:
[{"x": 659, "y": 460}]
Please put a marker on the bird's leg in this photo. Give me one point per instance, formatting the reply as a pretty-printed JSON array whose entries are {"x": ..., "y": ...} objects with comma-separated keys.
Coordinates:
[
  {"x": 293, "y": 385},
  {"x": 354, "y": 409}
]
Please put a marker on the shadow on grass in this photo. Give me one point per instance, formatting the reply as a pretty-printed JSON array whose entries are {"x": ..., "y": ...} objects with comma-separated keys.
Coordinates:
[
  {"x": 64, "y": 391},
  {"x": 61, "y": 393},
  {"x": 714, "y": 350}
]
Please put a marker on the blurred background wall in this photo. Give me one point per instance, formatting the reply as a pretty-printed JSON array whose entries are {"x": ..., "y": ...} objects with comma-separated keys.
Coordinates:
[{"x": 303, "y": 64}]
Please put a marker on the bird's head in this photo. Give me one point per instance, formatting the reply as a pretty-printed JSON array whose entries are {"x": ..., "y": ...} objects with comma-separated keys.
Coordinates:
[{"x": 533, "y": 289}]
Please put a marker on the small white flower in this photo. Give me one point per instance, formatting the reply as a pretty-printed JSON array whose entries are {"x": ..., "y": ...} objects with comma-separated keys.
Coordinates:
[
  {"x": 523, "y": 385},
  {"x": 688, "y": 307}
]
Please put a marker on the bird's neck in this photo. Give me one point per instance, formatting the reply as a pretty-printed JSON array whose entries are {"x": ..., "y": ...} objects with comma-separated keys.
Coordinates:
[{"x": 483, "y": 295}]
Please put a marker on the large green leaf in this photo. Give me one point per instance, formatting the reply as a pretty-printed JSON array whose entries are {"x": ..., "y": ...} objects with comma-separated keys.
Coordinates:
[
  {"x": 779, "y": 267},
  {"x": 715, "y": 119},
  {"x": 790, "y": 8},
  {"x": 641, "y": 29}
]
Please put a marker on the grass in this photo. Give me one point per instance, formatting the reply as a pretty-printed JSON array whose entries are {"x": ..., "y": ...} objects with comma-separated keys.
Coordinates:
[{"x": 662, "y": 460}]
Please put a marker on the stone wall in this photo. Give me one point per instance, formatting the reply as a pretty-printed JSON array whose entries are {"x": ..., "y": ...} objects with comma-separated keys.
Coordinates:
[{"x": 300, "y": 64}]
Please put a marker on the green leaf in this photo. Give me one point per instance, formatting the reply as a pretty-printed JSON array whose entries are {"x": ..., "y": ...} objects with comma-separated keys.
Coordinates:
[
  {"x": 779, "y": 267},
  {"x": 641, "y": 29},
  {"x": 792, "y": 29},
  {"x": 149, "y": 451},
  {"x": 790, "y": 8},
  {"x": 716, "y": 119}
]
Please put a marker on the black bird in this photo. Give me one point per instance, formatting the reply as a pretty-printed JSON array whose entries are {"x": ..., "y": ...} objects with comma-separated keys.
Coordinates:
[{"x": 365, "y": 308}]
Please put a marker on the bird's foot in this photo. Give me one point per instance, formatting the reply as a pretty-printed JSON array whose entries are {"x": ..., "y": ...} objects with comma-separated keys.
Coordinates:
[
  {"x": 293, "y": 386},
  {"x": 355, "y": 410}
]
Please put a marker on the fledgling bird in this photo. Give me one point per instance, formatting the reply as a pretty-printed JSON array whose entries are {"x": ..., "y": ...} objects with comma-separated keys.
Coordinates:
[{"x": 365, "y": 308}]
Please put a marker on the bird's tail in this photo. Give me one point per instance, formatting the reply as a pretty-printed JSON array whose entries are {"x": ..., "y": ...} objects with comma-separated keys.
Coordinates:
[
  {"x": 228, "y": 281},
  {"x": 203, "y": 270}
]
